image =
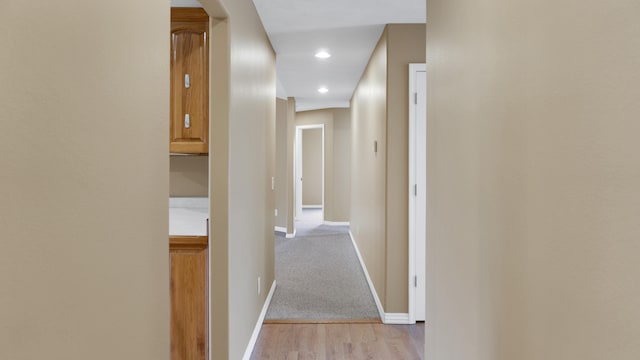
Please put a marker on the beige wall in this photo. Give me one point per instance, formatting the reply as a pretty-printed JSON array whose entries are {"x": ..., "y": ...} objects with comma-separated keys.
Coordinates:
[
  {"x": 533, "y": 176},
  {"x": 281, "y": 163},
  {"x": 84, "y": 180},
  {"x": 312, "y": 167},
  {"x": 242, "y": 163},
  {"x": 368, "y": 174},
  {"x": 285, "y": 130},
  {"x": 337, "y": 127},
  {"x": 381, "y": 114},
  {"x": 291, "y": 129},
  {"x": 405, "y": 45},
  {"x": 189, "y": 176},
  {"x": 285, "y": 133},
  {"x": 341, "y": 165}
]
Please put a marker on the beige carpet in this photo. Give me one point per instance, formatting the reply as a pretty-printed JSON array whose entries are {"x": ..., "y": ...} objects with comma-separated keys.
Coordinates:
[{"x": 319, "y": 278}]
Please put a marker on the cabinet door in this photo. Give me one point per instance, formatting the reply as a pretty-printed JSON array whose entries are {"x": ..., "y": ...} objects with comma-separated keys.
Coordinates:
[
  {"x": 188, "y": 259},
  {"x": 189, "y": 81}
]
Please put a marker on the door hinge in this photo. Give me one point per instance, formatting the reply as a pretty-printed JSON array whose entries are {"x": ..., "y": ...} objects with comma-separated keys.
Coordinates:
[
  {"x": 415, "y": 98},
  {"x": 415, "y": 281},
  {"x": 415, "y": 190}
]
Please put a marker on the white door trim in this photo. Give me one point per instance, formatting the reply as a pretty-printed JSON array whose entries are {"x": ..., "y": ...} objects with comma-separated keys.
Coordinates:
[
  {"x": 416, "y": 198},
  {"x": 297, "y": 173}
]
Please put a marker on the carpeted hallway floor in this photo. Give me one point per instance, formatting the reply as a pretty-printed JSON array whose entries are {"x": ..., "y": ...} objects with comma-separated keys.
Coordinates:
[{"x": 319, "y": 277}]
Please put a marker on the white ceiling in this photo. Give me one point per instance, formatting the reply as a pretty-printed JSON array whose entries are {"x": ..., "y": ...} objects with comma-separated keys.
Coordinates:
[
  {"x": 348, "y": 29},
  {"x": 301, "y": 74}
]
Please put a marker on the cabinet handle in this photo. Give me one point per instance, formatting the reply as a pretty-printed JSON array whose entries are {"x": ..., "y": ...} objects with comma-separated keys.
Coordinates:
[
  {"x": 187, "y": 81},
  {"x": 187, "y": 121}
]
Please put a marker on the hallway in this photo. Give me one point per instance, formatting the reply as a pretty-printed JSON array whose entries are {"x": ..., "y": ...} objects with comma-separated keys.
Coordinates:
[
  {"x": 533, "y": 176},
  {"x": 343, "y": 332},
  {"x": 319, "y": 277}
]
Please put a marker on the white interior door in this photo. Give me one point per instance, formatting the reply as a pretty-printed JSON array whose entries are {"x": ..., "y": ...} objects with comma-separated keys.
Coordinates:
[{"x": 418, "y": 195}]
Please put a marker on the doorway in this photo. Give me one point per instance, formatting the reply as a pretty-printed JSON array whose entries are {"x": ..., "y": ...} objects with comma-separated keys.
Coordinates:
[
  {"x": 309, "y": 170},
  {"x": 417, "y": 191}
]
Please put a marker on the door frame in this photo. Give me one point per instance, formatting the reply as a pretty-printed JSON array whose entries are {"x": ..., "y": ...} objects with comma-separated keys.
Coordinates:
[
  {"x": 297, "y": 171},
  {"x": 417, "y": 195}
]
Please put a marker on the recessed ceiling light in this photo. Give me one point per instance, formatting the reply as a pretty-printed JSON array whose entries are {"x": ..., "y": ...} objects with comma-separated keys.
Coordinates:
[
  {"x": 323, "y": 90},
  {"x": 323, "y": 54}
]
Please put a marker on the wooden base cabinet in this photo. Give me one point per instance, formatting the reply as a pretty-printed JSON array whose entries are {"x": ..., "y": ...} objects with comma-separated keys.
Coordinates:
[{"x": 189, "y": 306}]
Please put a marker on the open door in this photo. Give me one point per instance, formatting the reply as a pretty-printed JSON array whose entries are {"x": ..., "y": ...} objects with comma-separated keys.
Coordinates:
[
  {"x": 417, "y": 191},
  {"x": 314, "y": 183}
]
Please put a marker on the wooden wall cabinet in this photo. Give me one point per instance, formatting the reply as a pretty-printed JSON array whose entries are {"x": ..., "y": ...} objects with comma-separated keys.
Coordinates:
[
  {"x": 188, "y": 267},
  {"x": 189, "y": 130}
]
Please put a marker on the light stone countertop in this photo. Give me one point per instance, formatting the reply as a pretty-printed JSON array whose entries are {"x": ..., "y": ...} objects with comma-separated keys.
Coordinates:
[{"x": 188, "y": 216}]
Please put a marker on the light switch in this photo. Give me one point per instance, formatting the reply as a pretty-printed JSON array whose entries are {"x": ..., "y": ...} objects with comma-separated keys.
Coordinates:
[{"x": 187, "y": 121}]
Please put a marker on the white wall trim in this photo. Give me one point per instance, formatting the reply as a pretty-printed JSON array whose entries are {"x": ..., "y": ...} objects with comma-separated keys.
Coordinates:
[
  {"x": 387, "y": 318},
  {"x": 366, "y": 274},
  {"x": 258, "y": 327},
  {"x": 337, "y": 223},
  {"x": 397, "y": 319},
  {"x": 312, "y": 206},
  {"x": 284, "y": 230}
]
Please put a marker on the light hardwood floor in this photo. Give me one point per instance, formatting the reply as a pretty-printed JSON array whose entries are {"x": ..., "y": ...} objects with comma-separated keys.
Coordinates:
[{"x": 340, "y": 341}]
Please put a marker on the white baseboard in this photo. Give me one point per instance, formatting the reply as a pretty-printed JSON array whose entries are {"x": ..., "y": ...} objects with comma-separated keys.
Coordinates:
[
  {"x": 256, "y": 330},
  {"x": 366, "y": 274},
  {"x": 397, "y": 318},
  {"x": 337, "y": 223},
  {"x": 387, "y": 318},
  {"x": 312, "y": 206},
  {"x": 284, "y": 230}
]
